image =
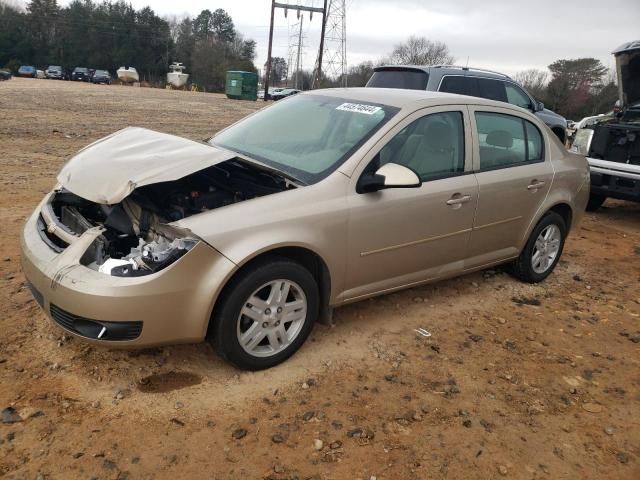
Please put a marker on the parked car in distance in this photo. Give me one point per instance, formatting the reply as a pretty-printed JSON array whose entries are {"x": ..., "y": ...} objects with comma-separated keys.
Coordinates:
[
  {"x": 80, "y": 74},
  {"x": 27, "y": 71},
  {"x": 272, "y": 90},
  {"x": 285, "y": 92},
  {"x": 5, "y": 75},
  {"x": 101, "y": 76},
  {"x": 331, "y": 197},
  {"x": 467, "y": 81},
  {"x": 611, "y": 142},
  {"x": 55, "y": 72}
]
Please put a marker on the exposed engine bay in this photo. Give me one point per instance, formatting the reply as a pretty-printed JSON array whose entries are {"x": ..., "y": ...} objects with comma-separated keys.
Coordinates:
[
  {"x": 616, "y": 141},
  {"x": 136, "y": 237}
]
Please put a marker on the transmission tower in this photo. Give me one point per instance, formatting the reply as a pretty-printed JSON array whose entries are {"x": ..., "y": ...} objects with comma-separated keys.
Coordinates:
[
  {"x": 296, "y": 52},
  {"x": 334, "y": 53}
]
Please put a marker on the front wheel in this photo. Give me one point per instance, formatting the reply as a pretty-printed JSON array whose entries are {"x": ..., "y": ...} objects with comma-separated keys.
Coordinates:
[
  {"x": 542, "y": 251},
  {"x": 265, "y": 314}
]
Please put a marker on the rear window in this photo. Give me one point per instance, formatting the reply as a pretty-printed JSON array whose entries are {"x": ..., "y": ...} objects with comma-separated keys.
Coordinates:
[
  {"x": 474, "y": 86},
  {"x": 399, "y": 78},
  {"x": 460, "y": 85}
]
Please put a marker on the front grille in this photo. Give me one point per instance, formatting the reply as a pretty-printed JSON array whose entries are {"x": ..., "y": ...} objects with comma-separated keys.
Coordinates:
[{"x": 95, "y": 329}]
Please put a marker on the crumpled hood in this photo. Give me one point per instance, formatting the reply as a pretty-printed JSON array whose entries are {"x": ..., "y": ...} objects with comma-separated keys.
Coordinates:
[{"x": 108, "y": 170}]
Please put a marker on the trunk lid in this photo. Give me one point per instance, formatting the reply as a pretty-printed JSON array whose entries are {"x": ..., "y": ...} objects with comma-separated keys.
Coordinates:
[{"x": 108, "y": 170}]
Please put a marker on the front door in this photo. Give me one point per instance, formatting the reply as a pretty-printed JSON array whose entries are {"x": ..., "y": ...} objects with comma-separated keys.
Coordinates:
[
  {"x": 399, "y": 237},
  {"x": 514, "y": 175}
]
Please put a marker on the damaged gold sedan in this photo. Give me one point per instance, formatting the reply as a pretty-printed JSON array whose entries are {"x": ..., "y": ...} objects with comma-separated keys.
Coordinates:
[{"x": 322, "y": 199}]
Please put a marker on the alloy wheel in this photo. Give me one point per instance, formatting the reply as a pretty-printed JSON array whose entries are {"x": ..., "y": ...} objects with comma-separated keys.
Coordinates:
[
  {"x": 546, "y": 248},
  {"x": 272, "y": 318}
]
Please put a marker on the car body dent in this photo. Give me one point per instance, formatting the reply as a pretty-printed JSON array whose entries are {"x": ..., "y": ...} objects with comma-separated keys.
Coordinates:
[{"x": 171, "y": 303}]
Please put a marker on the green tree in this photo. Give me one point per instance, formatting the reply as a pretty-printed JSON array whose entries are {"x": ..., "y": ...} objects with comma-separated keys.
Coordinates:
[
  {"x": 278, "y": 71},
  {"x": 42, "y": 18},
  {"x": 222, "y": 26},
  {"x": 573, "y": 85}
]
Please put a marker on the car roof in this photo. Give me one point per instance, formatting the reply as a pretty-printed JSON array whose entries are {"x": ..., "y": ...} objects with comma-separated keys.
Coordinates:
[
  {"x": 447, "y": 69},
  {"x": 401, "y": 98}
]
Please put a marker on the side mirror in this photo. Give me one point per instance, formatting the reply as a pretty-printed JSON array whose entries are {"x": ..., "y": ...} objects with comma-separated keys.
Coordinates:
[
  {"x": 390, "y": 175},
  {"x": 538, "y": 107}
]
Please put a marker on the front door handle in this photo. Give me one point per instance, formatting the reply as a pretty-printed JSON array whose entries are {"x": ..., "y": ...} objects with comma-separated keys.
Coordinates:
[
  {"x": 458, "y": 199},
  {"x": 535, "y": 185}
]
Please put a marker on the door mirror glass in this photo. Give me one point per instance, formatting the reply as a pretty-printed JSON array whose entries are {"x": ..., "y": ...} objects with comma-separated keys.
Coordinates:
[{"x": 539, "y": 106}]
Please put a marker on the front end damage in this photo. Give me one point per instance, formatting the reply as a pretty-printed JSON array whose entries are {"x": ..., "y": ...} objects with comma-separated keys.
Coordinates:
[
  {"x": 612, "y": 143},
  {"x": 120, "y": 272}
]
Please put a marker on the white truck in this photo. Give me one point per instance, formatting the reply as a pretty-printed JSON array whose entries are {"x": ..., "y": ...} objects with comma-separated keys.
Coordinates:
[{"x": 611, "y": 143}]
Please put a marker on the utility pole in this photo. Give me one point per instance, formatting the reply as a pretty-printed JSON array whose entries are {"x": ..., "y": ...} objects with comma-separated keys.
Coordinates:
[
  {"x": 317, "y": 74},
  {"x": 286, "y": 7},
  {"x": 268, "y": 69},
  {"x": 299, "y": 54}
]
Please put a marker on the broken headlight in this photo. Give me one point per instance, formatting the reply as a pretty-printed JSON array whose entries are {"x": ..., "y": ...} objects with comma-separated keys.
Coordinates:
[
  {"x": 582, "y": 142},
  {"x": 148, "y": 257}
]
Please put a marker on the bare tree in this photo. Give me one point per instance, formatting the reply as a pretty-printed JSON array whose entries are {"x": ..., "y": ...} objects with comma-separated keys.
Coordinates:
[
  {"x": 535, "y": 81},
  {"x": 420, "y": 51}
]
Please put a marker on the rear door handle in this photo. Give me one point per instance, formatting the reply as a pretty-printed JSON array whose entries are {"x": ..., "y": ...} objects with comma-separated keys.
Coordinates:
[
  {"x": 535, "y": 185},
  {"x": 458, "y": 199}
]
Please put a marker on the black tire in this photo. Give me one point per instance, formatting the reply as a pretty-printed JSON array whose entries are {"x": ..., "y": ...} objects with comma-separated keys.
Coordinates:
[
  {"x": 522, "y": 267},
  {"x": 223, "y": 330},
  {"x": 595, "y": 202}
]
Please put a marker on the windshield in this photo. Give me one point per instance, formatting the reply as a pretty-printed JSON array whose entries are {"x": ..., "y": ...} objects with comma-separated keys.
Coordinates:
[{"x": 306, "y": 136}]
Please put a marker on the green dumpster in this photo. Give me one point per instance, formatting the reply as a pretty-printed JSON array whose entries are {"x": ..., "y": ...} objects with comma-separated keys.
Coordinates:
[{"x": 241, "y": 85}]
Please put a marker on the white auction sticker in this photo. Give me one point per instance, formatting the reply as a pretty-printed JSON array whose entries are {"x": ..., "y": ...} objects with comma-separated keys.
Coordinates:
[{"x": 359, "y": 108}]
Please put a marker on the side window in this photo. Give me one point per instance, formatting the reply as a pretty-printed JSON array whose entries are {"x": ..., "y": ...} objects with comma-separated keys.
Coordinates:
[
  {"x": 506, "y": 141},
  {"x": 492, "y": 89},
  {"x": 433, "y": 146},
  {"x": 460, "y": 85},
  {"x": 515, "y": 96},
  {"x": 534, "y": 142}
]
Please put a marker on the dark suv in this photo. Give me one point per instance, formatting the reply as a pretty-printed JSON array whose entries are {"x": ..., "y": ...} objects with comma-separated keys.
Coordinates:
[
  {"x": 80, "y": 74},
  {"x": 466, "y": 81}
]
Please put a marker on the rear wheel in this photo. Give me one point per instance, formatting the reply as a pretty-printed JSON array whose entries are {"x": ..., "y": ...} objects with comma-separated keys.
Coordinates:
[
  {"x": 542, "y": 251},
  {"x": 595, "y": 202},
  {"x": 265, "y": 314}
]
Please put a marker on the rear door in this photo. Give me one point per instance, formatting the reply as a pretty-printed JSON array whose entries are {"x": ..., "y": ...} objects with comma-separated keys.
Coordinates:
[{"x": 514, "y": 175}]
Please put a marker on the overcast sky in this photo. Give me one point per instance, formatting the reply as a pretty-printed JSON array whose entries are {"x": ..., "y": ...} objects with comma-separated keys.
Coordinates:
[{"x": 504, "y": 35}]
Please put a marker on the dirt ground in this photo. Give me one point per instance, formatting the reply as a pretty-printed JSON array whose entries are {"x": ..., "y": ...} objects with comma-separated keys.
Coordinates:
[{"x": 516, "y": 381}]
